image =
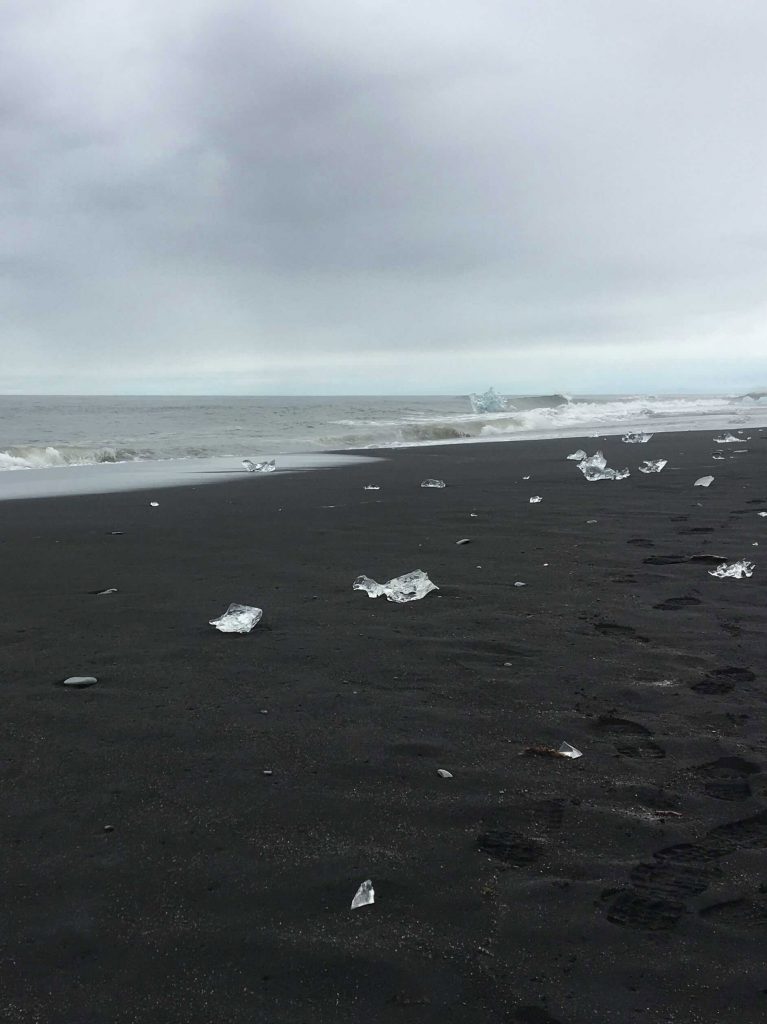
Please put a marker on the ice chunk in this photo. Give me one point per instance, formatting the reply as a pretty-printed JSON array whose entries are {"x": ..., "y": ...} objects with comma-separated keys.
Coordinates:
[
  {"x": 718, "y": 458},
  {"x": 110, "y": 590},
  {"x": 490, "y": 401},
  {"x": 371, "y": 487},
  {"x": 566, "y": 750},
  {"x": 410, "y": 587},
  {"x": 703, "y": 481},
  {"x": 730, "y": 439},
  {"x": 525, "y": 477},
  {"x": 594, "y": 467},
  {"x": 762, "y": 514},
  {"x": 259, "y": 467},
  {"x": 154, "y": 504},
  {"x": 535, "y": 499},
  {"x": 79, "y": 682},
  {"x": 444, "y": 773},
  {"x": 519, "y": 583},
  {"x": 238, "y": 618},
  {"x": 577, "y": 456},
  {"x": 653, "y": 466},
  {"x": 432, "y": 483},
  {"x": 364, "y": 896},
  {"x": 464, "y": 540},
  {"x": 636, "y": 438},
  {"x": 736, "y": 570}
]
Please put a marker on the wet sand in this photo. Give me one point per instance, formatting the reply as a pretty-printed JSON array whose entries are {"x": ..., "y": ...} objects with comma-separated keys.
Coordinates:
[{"x": 153, "y": 872}]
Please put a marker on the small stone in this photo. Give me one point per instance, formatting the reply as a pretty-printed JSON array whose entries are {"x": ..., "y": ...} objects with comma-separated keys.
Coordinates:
[
  {"x": 444, "y": 773},
  {"x": 268, "y": 771},
  {"x": 79, "y": 682},
  {"x": 109, "y": 828}
]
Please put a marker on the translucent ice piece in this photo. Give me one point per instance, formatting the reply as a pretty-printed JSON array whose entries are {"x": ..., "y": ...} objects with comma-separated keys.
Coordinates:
[
  {"x": 154, "y": 504},
  {"x": 519, "y": 583},
  {"x": 444, "y": 773},
  {"x": 718, "y": 458},
  {"x": 594, "y": 467},
  {"x": 371, "y": 487},
  {"x": 490, "y": 401},
  {"x": 410, "y": 587},
  {"x": 535, "y": 499},
  {"x": 619, "y": 474},
  {"x": 238, "y": 618},
  {"x": 703, "y": 481},
  {"x": 79, "y": 682},
  {"x": 735, "y": 570},
  {"x": 762, "y": 514},
  {"x": 259, "y": 467},
  {"x": 636, "y": 438},
  {"x": 364, "y": 896},
  {"x": 653, "y": 466},
  {"x": 433, "y": 483},
  {"x": 730, "y": 439},
  {"x": 577, "y": 456},
  {"x": 464, "y": 540},
  {"x": 566, "y": 750},
  {"x": 110, "y": 590}
]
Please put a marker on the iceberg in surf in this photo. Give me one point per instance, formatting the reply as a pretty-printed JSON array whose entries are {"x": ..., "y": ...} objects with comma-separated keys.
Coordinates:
[
  {"x": 490, "y": 401},
  {"x": 652, "y": 465},
  {"x": 730, "y": 439},
  {"x": 636, "y": 438},
  {"x": 410, "y": 587},
  {"x": 595, "y": 468},
  {"x": 259, "y": 467}
]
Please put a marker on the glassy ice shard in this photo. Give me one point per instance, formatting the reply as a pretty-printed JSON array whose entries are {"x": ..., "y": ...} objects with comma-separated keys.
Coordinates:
[
  {"x": 238, "y": 618},
  {"x": 535, "y": 499},
  {"x": 704, "y": 481},
  {"x": 490, "y": 401},
  {"x": 259, "y": 467},
  {"x": 433, "y": 483},
  {"x": 594, "y": 467},
  {"x": 444, "y": 773},
  {"x": 636, "y": 438},
  {"x": 577, "y": 456},
  {"x": 371, "y": 487},
  {"x": 653, "y": 466},
  {"x": 364, "y": 896},
  {"x": 735, "y": 570},
  {"x": 411, "y": 587},
  {"x": 566, "y": 750}
]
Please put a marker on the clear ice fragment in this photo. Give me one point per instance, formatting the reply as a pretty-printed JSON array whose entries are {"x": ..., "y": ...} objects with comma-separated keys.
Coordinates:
[
  {"x": 259, "y": 467},
  {"x": 637, "y": 438},
  {"x": 154, "y": 504},
  {"x": 411, "y": 587},
  {"x": 577, "y": 456},
  {"x": 238, "y": 618},
  {"x": 463, "y": 540},
  {"x": 718, "y": 458},
  {"x": 433, "y": 483},
  {"x": 444, "y": 773},
  {"x": 566, "y": 750},
  {"x": 703, "y": 481},
  {"x": 490, "y": 401},
  {"x": 535, "y": 499},
  {"x": 730, "y": 439},
  {"x": 735, "y": 570},
  {"x": 371, "y": 487},
  {"x": 594, "y": 467},
  {"x": 109, "y": 590},
  {"x": 364, "y": 896},
  {"x": 762, "y": 514},
  {"x": 525, "y": 477},
  {"x": 79, "y": 682},
  {"x": 653, "y": 466},
  {"x": 519, "y": 583}
]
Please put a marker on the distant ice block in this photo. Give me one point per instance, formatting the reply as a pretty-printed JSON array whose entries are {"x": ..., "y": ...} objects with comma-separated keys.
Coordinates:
[
  {"x": 432, "y": 483},
  {"x": 238, "y": 618},
  {"x": 79, "y": 682},
  {"x": 371, "y": 487},
  {"x": 637, "y": 438},
  {"x": 154, "y": 504},
  {"x": 364, "y": 896},
  {"x": 490, "y": 401},
  {"x": 567, "y": 750},
  {"x": 577, "y": 456},
  {"x": 653, "y": 466},
  {"x": 259, "y": 467},
  {"x": 595, "y": 468},
  {"x": 730, "y": 439},
  {"x": 734, "y": 570},
  {"x": 411, "y": 587},
  {"x": 535, "y": 499},
  {"x": 704, "y": 481}
]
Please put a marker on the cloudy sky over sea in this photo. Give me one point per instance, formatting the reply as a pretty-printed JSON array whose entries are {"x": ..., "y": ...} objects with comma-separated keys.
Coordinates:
[{"x": 315, "y": 196}]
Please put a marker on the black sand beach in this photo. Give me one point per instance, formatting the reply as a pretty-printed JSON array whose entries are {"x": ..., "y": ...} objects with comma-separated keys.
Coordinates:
[{"x": 626, "y": 887}]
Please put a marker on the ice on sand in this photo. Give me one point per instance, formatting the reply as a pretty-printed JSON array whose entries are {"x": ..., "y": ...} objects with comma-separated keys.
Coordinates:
[
  {"x": 371, "y": 487},
  {"x": 734, "y": 570},
  {"x": 577, "y": 456},
  {"x": 444, "y": 773},
  {"x": 433, "y": 483},
  {"x": 490, "y": 401},
  {"x": 595, "y": 468},
  {"x": 410, "y": 587},
  {"x": 154, "y": 504},
  {"x": 238, "y": 618},
  {"x": 79, "y": 682},
  {"x": 730, "y": 439},
  {"x": 566, "y": 750},
  {"x": 259, "y": 467},
  {"x": 703, "y": 481},
  {"x": 636, "y": 438},
  {"x": 535, "y": 499},
  {"x": 653, "y": 466},
  {"x": 364, "y": 896}
]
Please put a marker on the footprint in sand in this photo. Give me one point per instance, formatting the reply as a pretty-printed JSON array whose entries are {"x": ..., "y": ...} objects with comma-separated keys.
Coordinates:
[
  {"x": 523, "y": 840},
  {"x": 723, "y": 680},
  {"x": 620, "y": 632},
  {"x": 727, "y": 777},
  {"x": 738, "y": 914},
  {"x": 631, "y": 739},
  {"x": 675, "y": 604}
]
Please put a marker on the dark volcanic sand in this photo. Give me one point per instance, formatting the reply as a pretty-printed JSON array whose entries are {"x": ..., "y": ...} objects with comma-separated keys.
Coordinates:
[{"x": 627, "y": 886}]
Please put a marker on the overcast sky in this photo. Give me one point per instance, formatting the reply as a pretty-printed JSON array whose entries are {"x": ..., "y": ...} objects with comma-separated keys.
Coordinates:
[{"x": 350, "y": 196}]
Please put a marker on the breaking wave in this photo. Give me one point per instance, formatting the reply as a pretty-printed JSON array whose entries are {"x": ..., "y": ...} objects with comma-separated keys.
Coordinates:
[{"x": 32, "y": 457}]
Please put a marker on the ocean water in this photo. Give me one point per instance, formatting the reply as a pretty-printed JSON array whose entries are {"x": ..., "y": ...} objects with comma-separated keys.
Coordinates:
[{"x": 41, "y": 432}]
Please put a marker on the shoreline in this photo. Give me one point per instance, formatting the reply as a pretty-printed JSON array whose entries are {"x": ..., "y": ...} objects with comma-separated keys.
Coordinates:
[{"x": 622, "y": 887}]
